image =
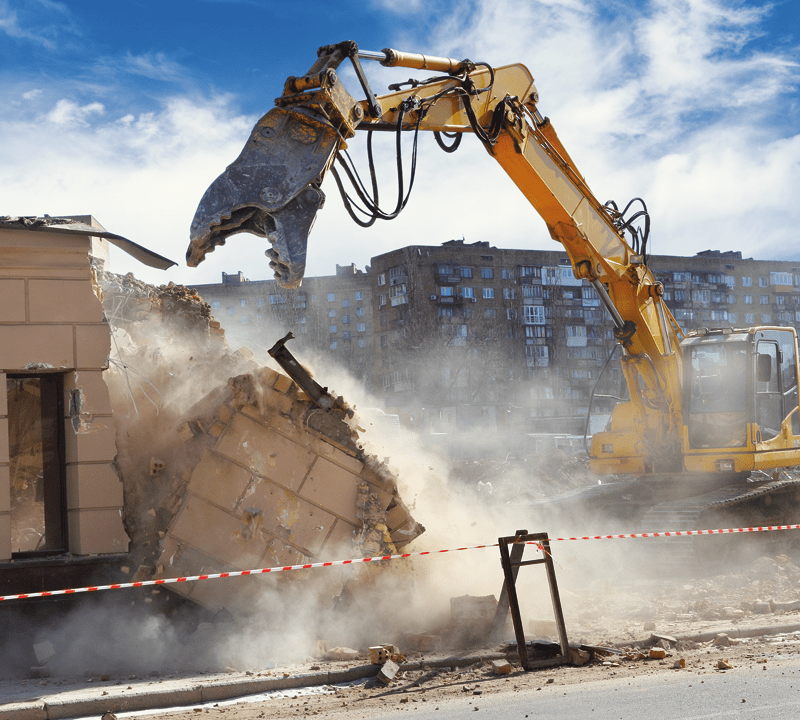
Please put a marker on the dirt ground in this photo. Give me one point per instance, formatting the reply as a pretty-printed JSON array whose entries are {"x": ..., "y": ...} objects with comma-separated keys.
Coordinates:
[{"x": 762, "y": 598}]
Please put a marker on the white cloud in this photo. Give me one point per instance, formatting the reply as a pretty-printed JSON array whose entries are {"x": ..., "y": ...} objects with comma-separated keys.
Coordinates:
[
  {"x": 142, "y": 176},
  {"x": 32, "y": 94},
  {"x": 67, "y": 112},
  {"x": 152, "y": 65},
  {"x": 42, "y": 22}
]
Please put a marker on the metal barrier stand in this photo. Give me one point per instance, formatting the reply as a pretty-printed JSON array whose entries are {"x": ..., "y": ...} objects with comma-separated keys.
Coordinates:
[{"x": 512, "y": 561}]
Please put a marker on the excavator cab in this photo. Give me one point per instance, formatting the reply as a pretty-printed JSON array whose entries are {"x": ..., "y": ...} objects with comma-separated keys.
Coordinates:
[{"x": 740, "y": 388}]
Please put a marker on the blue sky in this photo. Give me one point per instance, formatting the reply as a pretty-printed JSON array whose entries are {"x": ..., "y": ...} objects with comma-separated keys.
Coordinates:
[{"x": 129, "y": 110}]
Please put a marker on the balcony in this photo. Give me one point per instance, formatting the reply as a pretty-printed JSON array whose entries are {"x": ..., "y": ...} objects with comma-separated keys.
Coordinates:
[
  {"x": 449, "y": 300},
  {"x": 448, "y": 279}
]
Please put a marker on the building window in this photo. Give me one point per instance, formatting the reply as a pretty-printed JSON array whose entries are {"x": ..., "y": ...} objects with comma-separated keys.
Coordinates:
[
  {"x": 260, "y": 302},
  {"x": 763, "y": 299},
  {"x": 447, "y": 312},
  {"x": 533, "y": 314},
  {"x": 508, "y": 293},
  {"x": 748, "y": 299},
  {"x": 467, "y": 292},
  {"x": 747, "y": 282},
  {"x": 361, "y": 327},
  {"x": 505, "y": 273},
  {"x": 762, "y": 282},
  {"x": 382, "y": 279},
  {"x": 346, "y": 335},
  {"x": 36, "y": 463},
  {"x": 766, "y": 318},
  {"x": 526, "y": 271},
  {"x": 384, "y": 341},
  {"x": 360, "y": 312},
  {"x": 245, "y": 319},
  {"x": 733, "y": 318},
  {"x": 332, "y": 329},
  {"x": 346, "y": 303},
  {"x": 231, "y": 310},
  {"x": 535, "y": 331},
  {"x": 446, "y": 291},
  {"x": 488, "y": 293},
  {"x": 359, "y": 294},
  {"x": 487, "y": 273},
  {"x": 381, "y": 300},
  {"x": 361, "y": 342},
  {"x": 242, "y": 302},
  {"x": 703, "y": 296},
  {"x": 333, "y": 345},
  {"x": 277, "y": 299},
  {"x": 331, "y": 313},
  {"x": 490, "y": 313},
  {"x": 345, "y": 319},
  {"x": 215, "y": 305},
  {"x": 749, "y": 318},
  {"x": 331, "y": 297},
  {"x": 780, "y": 299},
  {"x": 576, "y": 335},
  {"x": 466, "y": 272}
]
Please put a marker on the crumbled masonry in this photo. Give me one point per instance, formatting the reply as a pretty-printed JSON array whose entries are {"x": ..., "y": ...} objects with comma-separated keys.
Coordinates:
[{"x": 228, "y": 465}]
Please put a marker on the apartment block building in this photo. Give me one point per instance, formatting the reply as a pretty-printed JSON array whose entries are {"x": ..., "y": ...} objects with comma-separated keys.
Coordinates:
[
  {"x": 329, "y": 314},
  {"x": 470, "y": 335}
]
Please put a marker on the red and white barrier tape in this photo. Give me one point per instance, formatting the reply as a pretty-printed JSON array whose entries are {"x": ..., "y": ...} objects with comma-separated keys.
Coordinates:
[
  {"x": 355, "y": 561},
  {"x": 681, "y": 533},
  {"x": 236, "y": 573}
]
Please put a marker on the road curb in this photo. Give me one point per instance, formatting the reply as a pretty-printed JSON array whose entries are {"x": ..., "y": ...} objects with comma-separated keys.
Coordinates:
[{"x": 121, "y": 701}]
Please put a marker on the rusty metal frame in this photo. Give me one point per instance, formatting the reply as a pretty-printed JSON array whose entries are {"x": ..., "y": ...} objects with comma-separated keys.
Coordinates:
[{"x": 512, "y": 561}]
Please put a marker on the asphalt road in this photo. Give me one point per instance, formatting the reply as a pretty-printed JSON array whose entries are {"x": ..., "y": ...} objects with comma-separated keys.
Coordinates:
[{"x": 675, "y": 696}]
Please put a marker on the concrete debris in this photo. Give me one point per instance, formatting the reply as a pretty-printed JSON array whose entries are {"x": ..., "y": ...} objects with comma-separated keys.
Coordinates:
[
  {"x": 380, "y": 654},
  {"x": 724, "y": 640},
  {"x": 388, "y": 672},
  {"x": 724, "y": 665},
  {"x": 501, "y": 667},
  {"x": 657, "y": 638},
  {"x": 342, "y": 653},
  {"x": 761, "y": 608},
  {"x": 43, "y": 651},
  {"x": 472, "y": 617},
  {"x": 578, "y": 657},
  {"x": 423, "y": 642},
  {"x": 679, "y": 664},
  {"x": 657, "y": 653}
]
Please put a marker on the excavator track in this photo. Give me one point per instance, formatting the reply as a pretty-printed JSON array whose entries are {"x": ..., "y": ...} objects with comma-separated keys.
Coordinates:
[{"x": 750, "y": 504}]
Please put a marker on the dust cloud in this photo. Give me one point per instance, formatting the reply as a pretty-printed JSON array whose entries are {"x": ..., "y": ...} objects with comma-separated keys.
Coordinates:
[{"x": 166, "y": 357}]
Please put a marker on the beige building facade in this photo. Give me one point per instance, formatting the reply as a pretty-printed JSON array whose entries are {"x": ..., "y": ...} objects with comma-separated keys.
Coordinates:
[{"x": 59, "y": 491}]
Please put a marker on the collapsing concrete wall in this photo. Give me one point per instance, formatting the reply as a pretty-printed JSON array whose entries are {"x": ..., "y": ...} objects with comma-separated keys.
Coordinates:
[
  {"x": 253, "y": 475},
  {"x": 271, "y": 488}
]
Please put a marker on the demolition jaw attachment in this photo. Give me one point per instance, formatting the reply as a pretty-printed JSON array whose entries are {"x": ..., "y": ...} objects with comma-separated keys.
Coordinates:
[{"x": 271, "y": 190}]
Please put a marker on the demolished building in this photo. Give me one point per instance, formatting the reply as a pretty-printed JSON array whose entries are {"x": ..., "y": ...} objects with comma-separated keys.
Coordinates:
[{"x": 139, "y": 446}]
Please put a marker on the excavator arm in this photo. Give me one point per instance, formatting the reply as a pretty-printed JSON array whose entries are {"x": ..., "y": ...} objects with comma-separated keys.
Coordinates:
[{"x": 273, "y": 190}]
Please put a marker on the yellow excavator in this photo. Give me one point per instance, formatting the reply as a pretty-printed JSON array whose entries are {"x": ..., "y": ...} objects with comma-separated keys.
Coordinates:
[{"x": 713, "y": 413}]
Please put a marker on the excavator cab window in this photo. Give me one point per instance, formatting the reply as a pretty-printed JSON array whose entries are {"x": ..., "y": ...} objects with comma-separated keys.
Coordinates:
[
  {"x": 718, "y": 398},
  {"x": 769, "y": 398}
]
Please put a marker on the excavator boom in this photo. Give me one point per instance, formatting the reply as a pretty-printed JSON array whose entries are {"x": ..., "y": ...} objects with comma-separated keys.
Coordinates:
[{"x": 273, "y": 190}]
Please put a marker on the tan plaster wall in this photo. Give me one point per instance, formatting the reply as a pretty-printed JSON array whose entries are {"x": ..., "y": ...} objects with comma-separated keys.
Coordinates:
[{"x": 50, "y": 314}]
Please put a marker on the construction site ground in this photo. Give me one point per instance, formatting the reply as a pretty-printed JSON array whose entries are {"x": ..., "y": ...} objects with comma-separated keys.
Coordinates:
[{"x": 757, "y": 606}]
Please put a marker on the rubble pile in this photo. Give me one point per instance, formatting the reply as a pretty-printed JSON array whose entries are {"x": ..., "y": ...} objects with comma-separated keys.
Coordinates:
[{"x": 226, "y": 464}]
